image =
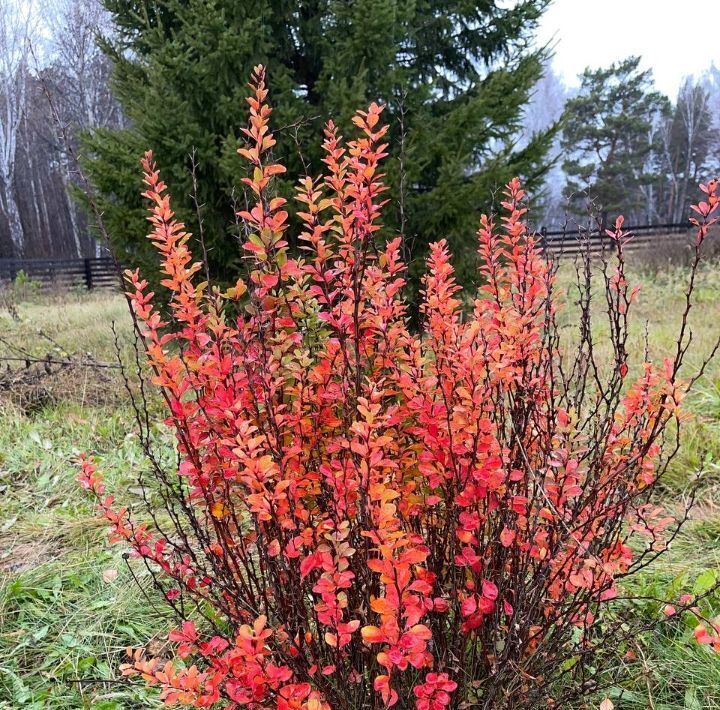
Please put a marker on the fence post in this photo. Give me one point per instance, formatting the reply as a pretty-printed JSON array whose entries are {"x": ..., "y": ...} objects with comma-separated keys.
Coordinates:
[{"x": 88, "y": 274}]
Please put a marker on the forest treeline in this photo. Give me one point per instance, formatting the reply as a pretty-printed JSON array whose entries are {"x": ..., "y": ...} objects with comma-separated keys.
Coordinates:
[{"x": 467, "y": 91}]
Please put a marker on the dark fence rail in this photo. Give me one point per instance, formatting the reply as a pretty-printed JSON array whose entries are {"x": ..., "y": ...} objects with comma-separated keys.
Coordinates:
[
  {"x": 61, "y": 273},
  {"x": 581, "y": 239},
  {"x": 100, "y": 272}
]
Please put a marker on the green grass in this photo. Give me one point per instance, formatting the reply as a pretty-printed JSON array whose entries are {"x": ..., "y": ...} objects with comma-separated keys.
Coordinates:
[
  {"x": 68, "y": 603},
  {"x": 670, "y": 670}
]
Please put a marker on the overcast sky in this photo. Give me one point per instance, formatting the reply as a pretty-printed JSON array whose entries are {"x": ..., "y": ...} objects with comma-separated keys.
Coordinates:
[{"x": 674, "y": 37}]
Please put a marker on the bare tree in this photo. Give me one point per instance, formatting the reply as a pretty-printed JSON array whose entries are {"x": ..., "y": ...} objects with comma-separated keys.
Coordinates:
[
  {"x": 50, "y": 53},
  {"x": 544, "y": 109},
  {"x": 76, "y": 26},
  {"x": 81, "y": 87},
  {"x": 15, "y": 30},
  {"x": 688, "y": 141},
  {"x": 710, "y": 81}
]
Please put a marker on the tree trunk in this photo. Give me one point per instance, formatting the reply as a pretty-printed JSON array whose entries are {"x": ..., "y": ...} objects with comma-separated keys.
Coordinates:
[
  {"x": 12, "y": 213},
  {"x": 67, "y": 182}
]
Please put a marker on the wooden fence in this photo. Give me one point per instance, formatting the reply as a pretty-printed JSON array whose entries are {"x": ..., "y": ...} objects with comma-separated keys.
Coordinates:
[
  {"x": 100, "y": 272},
  {"x": 572, "y": 242},
  {"x": 61, "y": 273}
]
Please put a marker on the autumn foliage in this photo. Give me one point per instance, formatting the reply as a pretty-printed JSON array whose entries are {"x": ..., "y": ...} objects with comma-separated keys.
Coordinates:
[{"x": 365, "y": 516}]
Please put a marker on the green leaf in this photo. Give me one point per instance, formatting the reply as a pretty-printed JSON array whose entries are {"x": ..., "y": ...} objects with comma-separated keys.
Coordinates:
[
  {"x": 704, "y": 582},
  {"x": 41, "y": 633}
]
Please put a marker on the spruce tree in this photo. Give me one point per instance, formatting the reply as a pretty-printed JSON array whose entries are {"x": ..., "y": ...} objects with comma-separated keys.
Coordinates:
[{"x": 454, "y": 76}]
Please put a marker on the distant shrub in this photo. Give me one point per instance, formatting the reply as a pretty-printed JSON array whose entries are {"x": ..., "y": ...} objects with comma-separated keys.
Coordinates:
[
  {"x": 363, "y": 516},
  {"x": 23, "y": 280},
  {"x": 23, "y": 286}
]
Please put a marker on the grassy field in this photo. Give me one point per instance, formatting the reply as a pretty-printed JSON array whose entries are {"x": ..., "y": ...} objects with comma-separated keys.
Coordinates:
[{"x": 69, "y": 605}]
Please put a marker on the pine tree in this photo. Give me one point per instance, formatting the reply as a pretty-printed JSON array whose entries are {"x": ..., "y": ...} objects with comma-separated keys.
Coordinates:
[
  {"x": 453, "y": 74},
  {"x": 608, "y": 137}
]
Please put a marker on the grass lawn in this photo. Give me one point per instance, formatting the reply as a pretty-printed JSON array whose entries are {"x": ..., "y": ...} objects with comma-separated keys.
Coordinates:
[{"x": 70, "y": 605}]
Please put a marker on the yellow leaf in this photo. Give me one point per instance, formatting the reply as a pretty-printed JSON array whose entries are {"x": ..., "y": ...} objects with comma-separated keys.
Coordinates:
[
  {"x": 219, "y": 509},
  {"x": 237, "y": 290}
]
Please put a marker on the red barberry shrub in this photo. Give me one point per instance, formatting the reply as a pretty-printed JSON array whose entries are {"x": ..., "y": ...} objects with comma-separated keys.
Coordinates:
[{"x": 364, "y": 516}]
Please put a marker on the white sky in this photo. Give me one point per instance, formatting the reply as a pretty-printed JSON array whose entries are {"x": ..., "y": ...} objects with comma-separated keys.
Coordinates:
[{"x": 674, "y": 37}]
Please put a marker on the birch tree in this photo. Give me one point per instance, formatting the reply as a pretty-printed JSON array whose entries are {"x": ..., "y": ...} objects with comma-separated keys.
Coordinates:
[
  {"x": 15, "y": 25},
  {"x": 81, "y": 86},
  {"x": 689, "y": 142},
  {"x": 85, "y": 94}
]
